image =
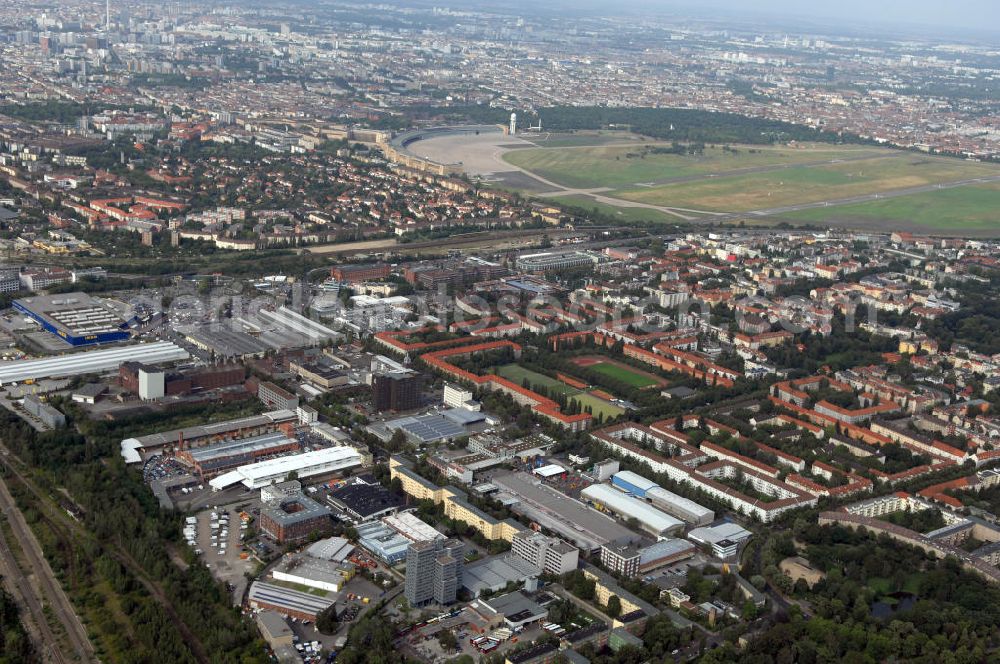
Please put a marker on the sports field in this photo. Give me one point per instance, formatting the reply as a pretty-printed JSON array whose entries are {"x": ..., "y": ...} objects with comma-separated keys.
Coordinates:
[
  {"x": 516, "y": 374},
  {"x": 973, "y": 208},
  {"x": 618, "y": 371},
  {"x": 629, "y": 166}
]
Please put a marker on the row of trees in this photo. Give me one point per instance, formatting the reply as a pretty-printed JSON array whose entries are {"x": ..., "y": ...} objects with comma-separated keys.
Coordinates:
[
  {"x": 675, "y": 124},
  {"x": 140, "y": 605}
]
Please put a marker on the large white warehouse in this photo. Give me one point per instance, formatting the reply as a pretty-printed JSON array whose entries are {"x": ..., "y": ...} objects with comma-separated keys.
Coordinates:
[
  {"x": 679, "y": 506},
  {"x": 624, "y": 505},
  {"x": 96, "y": 361},
  {"x": 669, "y": 502},
  {"x": 309, "y": 464}
]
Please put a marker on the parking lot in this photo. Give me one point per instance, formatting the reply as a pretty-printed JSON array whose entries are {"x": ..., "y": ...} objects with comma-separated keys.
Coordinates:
[
  {"x": 424, "y": 643},
  {"x": 222, "y": 548},
  {"x": 681, "y": 567},
  {"x": 350, "y": 604}
]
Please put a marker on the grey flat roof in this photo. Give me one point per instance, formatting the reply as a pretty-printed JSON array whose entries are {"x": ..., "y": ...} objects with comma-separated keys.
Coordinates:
[
  {"x": 215, "y": 429},
  {"x": 228, "y": 448},
  {"x": 427, "y": 428},
  {"x": 76, "y": 313},
  {"x": 497, "y": 573},
  {"x": 664, "y": 548},
  {"x": 274, "y": 622},
  {"x": 308, "y": 509},
  {"x": 226, "y": 342},
  {"x": 336, "y": 549},
  {"x": 91, "y": 390},
  {"x": 307, "y": 567},
  {"x": 570, "y": 518},
  {"x": 514, "y": 603}
]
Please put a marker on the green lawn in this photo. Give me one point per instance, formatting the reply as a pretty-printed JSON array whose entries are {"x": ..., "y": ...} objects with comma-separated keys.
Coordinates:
[
  {"x": 516, "y": 374},
  {"x": 579, "y": 139},
  {"x": 757, "y": 191},
  {"x": 598, "y": 406},
  {"x": 627, "y": 214},
  {"x": 301, "y": 588},
  {"x": 628, "y": 166},
  {"x": 633, "y": 378},
  {"x": 974, "y": 207}
]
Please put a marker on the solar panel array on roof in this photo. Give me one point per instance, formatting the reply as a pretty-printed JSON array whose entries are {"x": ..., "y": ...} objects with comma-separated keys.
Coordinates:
[
  {"x": 280, "y": 598},
  {"x": 427, "y": 428}
]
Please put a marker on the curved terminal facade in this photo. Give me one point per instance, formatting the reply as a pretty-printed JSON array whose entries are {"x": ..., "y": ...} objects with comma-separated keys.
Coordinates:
[{"x": 397, "y": 149}]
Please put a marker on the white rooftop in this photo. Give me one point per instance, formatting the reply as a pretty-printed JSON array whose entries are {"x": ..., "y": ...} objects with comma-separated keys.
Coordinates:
[
  {"x": 712, "y": 534},
  {"x": 309, "y": 463},
  {"x": 411, "y": 527},
  {"x": 550, "y": 470},
  {"x": 96, "y": 361},
  {"x": 659, "y": 493},
  {"x": 627, "y": 506},
  {"x": 635, "y": 480}
]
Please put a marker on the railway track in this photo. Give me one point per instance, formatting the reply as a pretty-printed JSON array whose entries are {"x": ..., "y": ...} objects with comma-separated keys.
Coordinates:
[
  {"x": 48, "y": 593},
  {"x": 61, "y": 528}
]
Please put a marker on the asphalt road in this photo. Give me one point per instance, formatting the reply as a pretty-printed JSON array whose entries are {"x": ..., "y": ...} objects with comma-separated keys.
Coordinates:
[{"x": 48, "y": 593}]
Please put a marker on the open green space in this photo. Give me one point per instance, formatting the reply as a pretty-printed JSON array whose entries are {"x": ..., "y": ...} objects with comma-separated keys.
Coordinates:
[
  {"x": 973, "y": 207},
  {"x": 300, "y": 587},
  {"x": 812, "y": 184},
  {"x": 774, "y": 177},
  {"x": 547, "y": 139},
  {"x": 627, "y": 214},
  {"x": 518, "y": 374},
  {"x": 633, "y": 378},
  {"x": 628, "y": 166},
  {"x": 598, "y": 406}
]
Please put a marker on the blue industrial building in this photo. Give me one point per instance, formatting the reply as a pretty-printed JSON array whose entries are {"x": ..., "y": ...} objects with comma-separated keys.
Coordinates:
[
  {"x": 632, "y": 483},
  {"x": 76, "y": 318}
]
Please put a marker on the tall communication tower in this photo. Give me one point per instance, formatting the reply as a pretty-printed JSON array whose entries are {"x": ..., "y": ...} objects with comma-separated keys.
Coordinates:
[
  {"x": 107, "y": 16},
  {"x": 513, "y": 123}
]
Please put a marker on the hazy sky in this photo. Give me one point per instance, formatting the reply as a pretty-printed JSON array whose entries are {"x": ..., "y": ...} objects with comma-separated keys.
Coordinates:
[
  {"x": 953, "y": 17},
  {"x": 970, "y": 14}
]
